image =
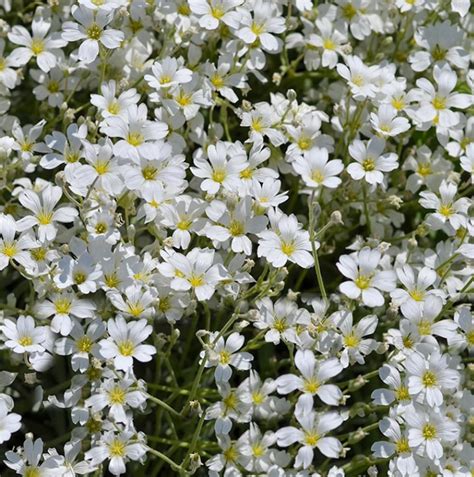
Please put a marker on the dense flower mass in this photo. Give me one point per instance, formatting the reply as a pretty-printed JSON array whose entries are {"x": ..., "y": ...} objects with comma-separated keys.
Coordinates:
[{"x": 236, "y": 238}]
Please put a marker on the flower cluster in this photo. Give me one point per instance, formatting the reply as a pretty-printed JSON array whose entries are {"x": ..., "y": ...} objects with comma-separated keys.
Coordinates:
[{"x": 236, "y": 238}]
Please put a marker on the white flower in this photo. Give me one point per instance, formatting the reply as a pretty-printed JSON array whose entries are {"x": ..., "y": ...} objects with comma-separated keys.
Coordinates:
[
  {"x": 44, "y": 214},
  {"x": 366, "y": 280},
  {"x": 23, "y": 336},
  {"x": 212, "y": 12},
  {"x": 316, "y": 170},
  {"x": 447, "y": 209},
  {"x": 353, "y": 341},
  {"x": 416, "y": 288},
  {"x": 225, "y": 355},
  {"x": 40, "y": 46},
  {"x": 428, "y": 431},
  {"x": 64, "y": 306},
  {"x": 361, "y": 78},
  {"x": 259, "y": 24},
  {"x": 314, "y": 374},
  {"x": 314, "y": 426},
  {"x": 167, "y": 73},
  {"x": 222, "y": 169},
  {"x": 435, "y": 104},
  {"x": 371, "y": 163},
  {"x": 234, "y": 225},
  {"x": 387, "y": 123},
  {"x": 429, "y": 376},
  {"x": 109, "y": 104},
  {"x": 196, "y": 271},
  {"x": 136, "y": 133},
  {"x": 10, "y": 422},
  {"x": 12, "y": 248},
  {"x": 286, "y": 242},
  {"x": 124, "y": 343},
  {"x": 119, "y": 448},
  {"x": 91, "y": 29}
]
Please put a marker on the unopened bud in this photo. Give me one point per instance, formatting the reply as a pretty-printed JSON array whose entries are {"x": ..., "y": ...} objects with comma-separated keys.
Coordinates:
[
  {"x": 291, "y": 94},
  {"x": 336, "y": 218},
  {"x": 194, "y": 462}
]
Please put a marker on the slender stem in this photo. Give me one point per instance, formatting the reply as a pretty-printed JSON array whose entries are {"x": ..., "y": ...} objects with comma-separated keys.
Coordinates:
[
  {"x": 163, "y": 405},
  {"x": 166, "y": 459}
]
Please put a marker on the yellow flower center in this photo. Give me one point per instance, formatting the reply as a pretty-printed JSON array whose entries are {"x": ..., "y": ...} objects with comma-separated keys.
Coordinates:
[
  {"x": 84, "y": 344},
  {"x": 439, "y": 103},
  {"x": 37, "y": 46},
  {"x": 363, "y": 281},
  {"x": 398, "y": 103},
  {"x": 257, "y": 397},
  {"x": 45, "y": 218},
  {"x": 79, "y": 278},
  {"x": 368, "y": 164},
  {"x": 429, "y": 379},
  {"x": 94, "y": 32},
  {"x": 230, "y": 454},
  {"x": 165, "y": 79},
  {"x": 135, "y": 139},
  {"x": 53, "y": 86},
  {"x": 417, "y": 295},
  {"x": 217, "y": 81},
  {"x": 236, "y": 228},
  {"x": 429, "y": 431},
  {"x": 258, "y": 28},
  {"x": 184, "y": 99},
  {"x": 164, "y": 304},
  {"x": 328, "y": 44},
  {"x": 149, "y": 173},
  {"x": 135, "y": 309},
  {"x": 280, "y": 325},
  {"x": 438, "y": 53},
  {"x": 402, "y": 394},
  {"x": 246, "y": 173},
  {"x": 183, "y": 224},
  {"x": 100, "y": 228},
  {"x": 256, "y": 124},
  {"x": 288, "y": 248},
  {"x": 446, "y": 210},
  {"x": 184, "y": 9},
  {"x": 311, "y": 438},
  {"x": 62, "y": 306},
  {"x": 224, "y": 357},
  {"x": 230, "y": 401},
  {"x": 317, "y": 176},
  {"x": 311, "y": 385},
  {"x": 25, "y": 341},
  {"x": 117, "y": 395},
  {"x": 9, "y": 249},
  {"x": 32, "y": 472},
  {"x": 407, "y": 342},
  {"x": 196, "y": 281},
  {"x": 126, "y": 348},
  {"x": 114, "y": 107},
  {"x": 402, "y": 446},
  {"x": 349, "y": 11},
  {"x": 424, "y": 327},
  {"x": 38, "y": 254},
  {"x": 101, "y": 167},
  {"x": 351, "y": 341},
  {"x": 219, "y": 175},
  {"x": 258, "y": 450},
  {"x": 358, "y": 80},
  {"x": 470, "y": 337},
  {"x": 117, "y": 448},
  {"x": 112, "y": 280},
  {"x": 217, "y": 12},
  {"x": 304, "y": 143},
  {"x": 424, "y": 170}
]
